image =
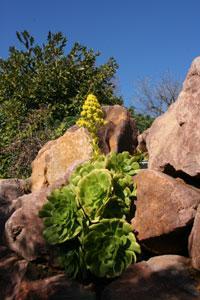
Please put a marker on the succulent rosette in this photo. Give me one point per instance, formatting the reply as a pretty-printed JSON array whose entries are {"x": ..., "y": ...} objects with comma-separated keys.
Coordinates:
[
  {"x": 62, "y": 218},
  {"x": 94, "y": 190},
  {"x": 86, "y": 219},
  {"x": 110, "y": 247}
]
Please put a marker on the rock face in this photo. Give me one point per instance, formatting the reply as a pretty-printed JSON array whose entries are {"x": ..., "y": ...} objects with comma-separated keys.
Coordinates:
[
  {"x": 194, "y": 242},
  {"x": 164, "y": 277},
  {"x": 23, "y": 230},
  {"x": 10, "y": 189},
  {"x": 12, "y": 270},
  {"x": 20, "y": 280},
  {"x": 57, "y": 156},
  {"x": 165, "y": 210},
  {"x": 120, "y": 132},
  {"x": 173, "y": 141}
]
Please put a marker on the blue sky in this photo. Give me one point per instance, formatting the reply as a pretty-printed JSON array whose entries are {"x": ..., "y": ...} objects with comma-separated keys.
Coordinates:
[{"x": 146, "y": 37}]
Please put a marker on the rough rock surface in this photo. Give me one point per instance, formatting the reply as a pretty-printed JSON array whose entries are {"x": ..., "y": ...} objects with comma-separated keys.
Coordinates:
[
  {"x": 21, "y": 280},
  {"x": 173, "y": 140},
  {"x": 10, "y": 189},
  {"x": 120, "y": 132},
  {"x": 12, "y": 270},
  {"x": 165, "y": 210},
  {"x": 56, "y": 287},
  {"x": 167, "y": 277},
  {"x": 23, "y": 230},
  {"x": 57, "y": 156},
  {"x": 194, "y": 241}
]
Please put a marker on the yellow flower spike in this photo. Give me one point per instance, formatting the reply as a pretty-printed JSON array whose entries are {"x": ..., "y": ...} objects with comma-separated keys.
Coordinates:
[{"x": 92, "y": 119}]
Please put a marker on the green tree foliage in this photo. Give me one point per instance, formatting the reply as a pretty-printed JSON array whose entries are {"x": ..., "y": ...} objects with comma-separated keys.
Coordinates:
[
  {"x": 143, "y": 121},
  {"x": 88, "y": 218},
  {"x": 42, "y": 90}
]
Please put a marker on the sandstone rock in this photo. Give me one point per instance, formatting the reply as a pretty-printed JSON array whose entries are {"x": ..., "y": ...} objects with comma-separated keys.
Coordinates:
[
  {"x": 165, "y": 210},
  {"x": 54, "y": 159},
  {"x": 12, "y": 271},
  {"x": 120, "y": 132},
  {"x": 23, "y": 230},
  {"x": 164, "y": 277},
  {"x": 194, "y": 241},
  {"x": 10, "y": 189},
  {"x": 56, "y": 287},
  {"x": 173, "y": 141}
]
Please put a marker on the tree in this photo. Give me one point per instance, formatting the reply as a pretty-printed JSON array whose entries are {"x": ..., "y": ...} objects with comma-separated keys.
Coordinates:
[
  {"x": 142, "y": 120},
  {"x": 153, "y": 98},
  {"x": 41, "y": 92}
]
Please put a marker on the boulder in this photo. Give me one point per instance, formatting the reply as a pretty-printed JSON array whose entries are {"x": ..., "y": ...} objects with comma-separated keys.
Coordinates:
[
  {"x": 194, "y": 241},
  {"x": 54, "y": 159},
  {"x": 10, "y": 189},
  {"x": 164, "y": 277},
  {"x": 165, "y": 211},
  {"x": 22, "y": 280},
  {"x": 120, "y": 132},
  {"x": 12, "y": 270},
  {"x": 173, "y": 140},
  {"x": 57, "y": 157},
  {"x": 23, "y": 230},
  {"x": 56, "y": 287}
]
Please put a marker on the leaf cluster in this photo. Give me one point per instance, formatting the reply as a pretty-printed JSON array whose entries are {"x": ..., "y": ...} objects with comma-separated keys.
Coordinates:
[
  {"x": 42, "y": 89},
  {"x": 87, "y": 219}
]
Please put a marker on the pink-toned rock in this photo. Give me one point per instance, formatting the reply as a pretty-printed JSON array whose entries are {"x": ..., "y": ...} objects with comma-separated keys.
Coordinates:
[
  {"x": 10, "y": 189},
  {"x": 165, "y": 210},
  {"x": 194, "y": 241},
  {"x": 120, "y": 132},
  {"x": 167, "y": 277},
  {"x": 56, "y": 287},
  {"x": 54, "y": 159},
  {"x": 173, "y": 140},
  {"x": 12, "y": 271},
  {"x": 23, "y": 230}
]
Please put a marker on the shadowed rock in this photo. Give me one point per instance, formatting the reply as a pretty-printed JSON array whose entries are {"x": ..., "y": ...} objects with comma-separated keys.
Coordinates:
[
  {"x": 194, "y": 241},
  {"x": 164, "y": 277},
  {"x": 174, "y": 137},
  {"x": 165, "y": 211}
]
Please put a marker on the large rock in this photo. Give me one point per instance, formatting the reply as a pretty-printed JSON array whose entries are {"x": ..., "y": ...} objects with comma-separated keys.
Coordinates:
[
  {"x": 164, "y": 277},
  {"x": 173, "y": 141},
  {"x": 10, "y": 189},
  {"x": 165, "y": 210},
  {"x": 120, "y": 132},
  {"x": 54, "y": 159},
  {"x": 194, "y": 241},
  {"x": 23, "y": 230},
  {"x": 56, "y": 287},
  {"x": 57, "y": 157},
  {"x": 12, "y": 270},
  {"x": 21, "y": 280}
]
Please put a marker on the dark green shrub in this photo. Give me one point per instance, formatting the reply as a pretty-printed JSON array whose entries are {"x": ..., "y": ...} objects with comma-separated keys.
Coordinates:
[{"x": 42, "y": 89}]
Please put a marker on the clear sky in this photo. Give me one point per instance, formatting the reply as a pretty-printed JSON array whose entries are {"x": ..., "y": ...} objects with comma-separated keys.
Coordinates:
[{"x": 146, "y": 37}]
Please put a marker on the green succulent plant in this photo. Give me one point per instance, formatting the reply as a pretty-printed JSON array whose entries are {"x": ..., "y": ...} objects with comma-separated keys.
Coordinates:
[
  {"x": 88, "y": 217},
  {"x": 110, "y": 247},
  {"x": 93, "y": 192},
  {"x": 123, "y": 163},
  {"x": 62, "y": 218}
]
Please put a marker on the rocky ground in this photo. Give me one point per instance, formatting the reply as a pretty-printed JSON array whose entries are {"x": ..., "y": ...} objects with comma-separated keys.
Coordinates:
[{"x": 167, "y": 218}]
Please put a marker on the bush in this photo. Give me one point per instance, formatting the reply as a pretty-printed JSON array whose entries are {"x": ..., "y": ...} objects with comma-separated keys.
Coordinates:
[
  {"x": 42, "y": 90},
  {"x": 88, "y": 218}
]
